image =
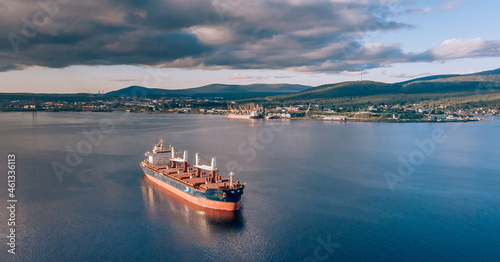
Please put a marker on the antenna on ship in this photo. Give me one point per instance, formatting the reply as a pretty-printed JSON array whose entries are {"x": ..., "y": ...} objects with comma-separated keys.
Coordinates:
[
  {"x": 185, "y": 162},
  {"x": 213, "y": 168},
  {"x": 213, "y": 163},
  {"x": 174, "y": 164}
]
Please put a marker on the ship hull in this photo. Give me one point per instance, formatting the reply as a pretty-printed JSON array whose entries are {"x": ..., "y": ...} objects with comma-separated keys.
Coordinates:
[
  {"x": 235, "y": 116},
  {"x": 211, "y": 198}
]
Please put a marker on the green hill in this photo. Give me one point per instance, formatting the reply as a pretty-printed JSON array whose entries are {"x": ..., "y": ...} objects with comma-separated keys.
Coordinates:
[
  {"x": 214, "y": 90},
  {"x": 476, "y": 89},
  {"x": 459, "y": 89}
]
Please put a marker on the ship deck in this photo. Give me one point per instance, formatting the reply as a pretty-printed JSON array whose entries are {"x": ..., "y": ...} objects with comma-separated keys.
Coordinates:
[
  {"x": 216, "y": 185},
  {"x": 189, "y": 177}
]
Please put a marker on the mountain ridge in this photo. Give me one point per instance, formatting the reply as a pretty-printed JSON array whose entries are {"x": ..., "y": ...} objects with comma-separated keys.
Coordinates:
[
  {"x": 349, "y": 92},
  {"x": 222, "y": 90},
  {"x": 438, "y": 84}
]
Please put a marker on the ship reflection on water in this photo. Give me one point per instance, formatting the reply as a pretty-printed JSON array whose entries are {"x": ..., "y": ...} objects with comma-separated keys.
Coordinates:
[{"x": 163, "y": 205}]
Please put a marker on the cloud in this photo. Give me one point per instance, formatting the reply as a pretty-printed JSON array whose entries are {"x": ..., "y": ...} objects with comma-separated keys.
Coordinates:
[
  {"x": 295, "y": 35},
  {"x": 124, "y": 80},
  {"x": 246, "y": 76},
  {"x": 445, "y": 6},
  {"x": 9, "y": 67},
  {"x": 237, "y": 76},
  {"x": 283, "y": 76},
  {"x": 354, "y": 73},
  {"x": 462, "y": 48},
  {"x": 410, "y": 76},
  {"x": 213, "y": 35}
]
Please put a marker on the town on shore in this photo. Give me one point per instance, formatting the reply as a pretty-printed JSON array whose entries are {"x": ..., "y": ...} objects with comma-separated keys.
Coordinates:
[{"x": 415, "y": 112}]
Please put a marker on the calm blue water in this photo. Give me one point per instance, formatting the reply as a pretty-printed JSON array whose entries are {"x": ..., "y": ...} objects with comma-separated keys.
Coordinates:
[{"x": 309, "y": 183}]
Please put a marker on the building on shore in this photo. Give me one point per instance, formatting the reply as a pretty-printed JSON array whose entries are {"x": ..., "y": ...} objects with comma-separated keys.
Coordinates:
[{"x": 335, "y": 118}]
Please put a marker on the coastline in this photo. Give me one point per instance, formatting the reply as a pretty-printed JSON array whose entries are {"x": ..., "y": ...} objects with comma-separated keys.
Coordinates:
[{"x": 477, "y": 118}]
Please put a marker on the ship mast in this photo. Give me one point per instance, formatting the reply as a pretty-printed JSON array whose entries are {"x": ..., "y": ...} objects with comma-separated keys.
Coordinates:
[
  {"x": 183, "y": 160},
  {"x": 212, "y": 168},
  {"x": 231, "y": 174}
]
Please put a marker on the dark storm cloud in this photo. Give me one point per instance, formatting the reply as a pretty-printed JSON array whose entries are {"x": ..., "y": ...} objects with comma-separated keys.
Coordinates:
[{"x": 303, "y": 35}]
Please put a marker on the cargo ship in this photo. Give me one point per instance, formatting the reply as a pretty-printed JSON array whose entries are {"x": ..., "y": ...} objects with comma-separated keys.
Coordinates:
[
  {"x": 250, "y": 115},
  {"x": 246, "y": 111},
  {"x": 200, "y": 184}
]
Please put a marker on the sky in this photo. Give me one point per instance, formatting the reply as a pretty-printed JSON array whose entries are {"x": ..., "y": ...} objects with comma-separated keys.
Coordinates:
[{"x": 69, "y": 46}]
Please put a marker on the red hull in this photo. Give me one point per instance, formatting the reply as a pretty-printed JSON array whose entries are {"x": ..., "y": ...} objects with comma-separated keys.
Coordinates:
[{"x": 198, "y": 201}]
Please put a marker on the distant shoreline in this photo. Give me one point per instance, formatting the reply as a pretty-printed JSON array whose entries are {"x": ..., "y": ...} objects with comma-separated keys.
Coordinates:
[{"x": 312, "y": 118}]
